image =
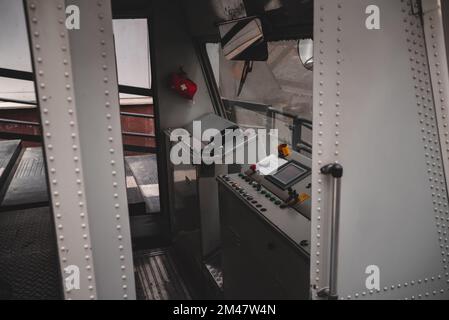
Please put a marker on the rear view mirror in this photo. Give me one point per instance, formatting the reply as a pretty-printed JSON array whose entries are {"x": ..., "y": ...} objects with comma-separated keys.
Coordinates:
[
  {"x": 243, "y": 39},
  {"x": 305, "y": 51}
]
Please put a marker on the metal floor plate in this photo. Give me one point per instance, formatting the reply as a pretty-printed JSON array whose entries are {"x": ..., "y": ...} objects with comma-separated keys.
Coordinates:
[
  {"x": 28, "y": 186},
  {"x": 8, "y": 152},
  {"x": 28, "y": 256},
  {"x": 136, "y": 203},
  {"x": 144, "y": 169},
  {"x": 157, "y": 277}
]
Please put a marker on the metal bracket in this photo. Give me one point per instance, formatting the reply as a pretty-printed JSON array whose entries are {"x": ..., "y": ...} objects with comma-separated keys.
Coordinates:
[{"x": 324, "y": 293}]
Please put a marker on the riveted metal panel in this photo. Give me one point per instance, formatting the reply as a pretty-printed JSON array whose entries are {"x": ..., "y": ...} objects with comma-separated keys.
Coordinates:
[
  {"x": 56, "y": 95},
  {"x": 374, "y": 113},
  {"x": 436, "y": 50},
  {"x": 80, "y": 99}
]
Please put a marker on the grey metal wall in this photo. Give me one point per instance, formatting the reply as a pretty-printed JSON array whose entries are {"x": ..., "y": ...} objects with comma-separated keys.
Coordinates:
[
  {"x": 445, "y": 11},
  {"x": 374, "y": 113},
  {"x": 174, "y": 48}
]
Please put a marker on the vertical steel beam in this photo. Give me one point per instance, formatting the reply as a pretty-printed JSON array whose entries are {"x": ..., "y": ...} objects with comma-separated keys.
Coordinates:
[
  {"x": 76, "y": 81},
  {"x": 439, "y": 73},
  {"x": 376, "y": 115}
]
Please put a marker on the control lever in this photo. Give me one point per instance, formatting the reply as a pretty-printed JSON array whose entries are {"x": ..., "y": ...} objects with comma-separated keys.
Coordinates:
[{"x": 336, "y": 171}]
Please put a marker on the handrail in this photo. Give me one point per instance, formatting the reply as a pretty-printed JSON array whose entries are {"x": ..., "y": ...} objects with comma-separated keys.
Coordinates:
[
  {"x": 334, "y": 170},
  {"x": 29, "y": 76},
  {"x": 137, "y": 115},
  {"x": 32, "y": 103},
  {"x": 21, "y": 122},
  {"x": 37, "y": 124}
]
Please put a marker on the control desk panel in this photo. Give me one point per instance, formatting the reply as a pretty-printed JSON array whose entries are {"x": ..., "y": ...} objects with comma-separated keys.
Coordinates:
[
  {"x": 280, "y": 190},
  {"x": 265, "y": 230},
  {"x": 287, "y": 179}
]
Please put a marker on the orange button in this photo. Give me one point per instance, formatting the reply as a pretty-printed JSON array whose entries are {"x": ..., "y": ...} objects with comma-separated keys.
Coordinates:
[{"x": 284, "y": 150}]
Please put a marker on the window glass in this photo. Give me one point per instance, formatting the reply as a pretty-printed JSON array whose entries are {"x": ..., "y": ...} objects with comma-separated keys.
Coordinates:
[
  {"x": 14, "y": 50},
  {"x": 133, "y": 53},
  {"x": 14, "y": 53},
  {"x": 281, "y": 83}
]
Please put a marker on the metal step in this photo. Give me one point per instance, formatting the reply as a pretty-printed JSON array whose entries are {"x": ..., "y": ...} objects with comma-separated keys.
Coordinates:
[
  {"x": 136, "y": 203},
  {"x": 28, "y": 187},
  {"x": 9, "y": 152},
  {"x": 144, "y": 169}
]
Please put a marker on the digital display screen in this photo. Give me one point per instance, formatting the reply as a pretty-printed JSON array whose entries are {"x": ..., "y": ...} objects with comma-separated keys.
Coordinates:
[{"x": 288, "y": 174}]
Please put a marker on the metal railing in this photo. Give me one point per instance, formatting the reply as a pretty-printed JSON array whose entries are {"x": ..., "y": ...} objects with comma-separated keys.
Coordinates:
[
  {"x": 29, "y": 76},
  {"x": 37, "y": 138}
]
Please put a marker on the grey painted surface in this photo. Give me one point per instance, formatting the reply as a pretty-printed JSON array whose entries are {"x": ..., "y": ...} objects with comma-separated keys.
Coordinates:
[
  {"x": 175, "y": 49},
  {"x": 369, "y": 117},
  {"x": 445, "y": 17},
  {"x": 60, "y": 132},
  {"x": 78, "y": 98},
  {"x": 210, "y": 12},
  {"x": 97, "y": 103},
  {"x": 436, "y": 51}
]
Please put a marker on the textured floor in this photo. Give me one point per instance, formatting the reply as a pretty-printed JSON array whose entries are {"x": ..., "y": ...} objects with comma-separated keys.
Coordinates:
[
  {"x": 157, "y": 277},
  {"x": 28, "y": 257}
]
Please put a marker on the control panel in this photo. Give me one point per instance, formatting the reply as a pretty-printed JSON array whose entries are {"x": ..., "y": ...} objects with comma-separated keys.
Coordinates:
[
  {"x": 286, "y": 181},
  {"x": 275, "y": 209},
  {"x": 265, "y": 229}
]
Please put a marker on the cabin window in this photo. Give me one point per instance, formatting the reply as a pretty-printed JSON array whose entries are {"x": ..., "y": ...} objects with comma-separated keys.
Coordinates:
[
  {"x": 14, "y": 55},
  {"x": 132, "y": 50},
  {"x": 276, "y": 93},
  {"x": 17, "y": 93}
]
